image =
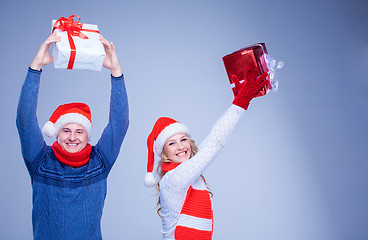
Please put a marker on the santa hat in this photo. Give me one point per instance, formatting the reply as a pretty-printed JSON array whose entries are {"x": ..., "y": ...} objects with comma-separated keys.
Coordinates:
[
  {"x": 68, "y": 113},
  {"x": 163, "y": 129}
]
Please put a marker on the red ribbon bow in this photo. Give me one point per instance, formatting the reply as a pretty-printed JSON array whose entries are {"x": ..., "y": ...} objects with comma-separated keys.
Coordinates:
[{"x": 73, "y": 28}]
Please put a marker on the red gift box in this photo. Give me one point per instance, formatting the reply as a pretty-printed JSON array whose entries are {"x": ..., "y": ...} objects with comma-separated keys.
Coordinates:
[{"x": 240, "y": 63}]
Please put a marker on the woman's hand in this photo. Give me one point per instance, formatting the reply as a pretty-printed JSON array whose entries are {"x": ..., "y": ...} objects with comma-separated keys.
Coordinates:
[
  {"x": 249, "y": 88},
  {"x": 111, "y": 59},
  {"x": 43, "y": 57}
]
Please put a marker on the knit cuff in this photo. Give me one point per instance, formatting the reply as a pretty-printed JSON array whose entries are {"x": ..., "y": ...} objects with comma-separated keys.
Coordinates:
[
  {"x": 34, "y": 70},
  {"x": 117, "y": 78}
]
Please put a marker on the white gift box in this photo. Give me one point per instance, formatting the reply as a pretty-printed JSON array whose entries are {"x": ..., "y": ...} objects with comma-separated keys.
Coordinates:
[{"x": 90, "y": 53}]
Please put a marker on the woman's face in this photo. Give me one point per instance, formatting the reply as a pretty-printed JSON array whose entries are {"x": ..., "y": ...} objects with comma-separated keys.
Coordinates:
[
  {"x": 73, "y": 137},
  {"x": 177, "y": 148}
]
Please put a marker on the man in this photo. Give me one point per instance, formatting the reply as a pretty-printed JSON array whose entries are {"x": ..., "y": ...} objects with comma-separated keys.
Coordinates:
[{"x": 69, "y": 178}]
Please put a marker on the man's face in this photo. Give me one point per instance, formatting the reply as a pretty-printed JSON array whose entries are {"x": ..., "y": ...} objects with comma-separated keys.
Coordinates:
[{"x": 73, "y": 137}]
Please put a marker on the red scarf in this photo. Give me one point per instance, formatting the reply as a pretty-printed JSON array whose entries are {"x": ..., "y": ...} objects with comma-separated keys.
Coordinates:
[
  {"x": 198, "y": 205},
  {"x": 168, "y": 166},
  {"x": 77, "y": 159}
]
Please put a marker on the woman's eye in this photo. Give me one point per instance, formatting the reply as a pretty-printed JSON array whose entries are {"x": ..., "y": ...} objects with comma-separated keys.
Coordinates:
[
  {"x": 170, "y": 144},
  {"x": 184, "y": 139}
]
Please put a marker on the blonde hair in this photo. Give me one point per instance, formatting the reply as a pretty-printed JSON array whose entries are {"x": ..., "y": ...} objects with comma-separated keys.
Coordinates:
[{"x": 165, "y": 159}]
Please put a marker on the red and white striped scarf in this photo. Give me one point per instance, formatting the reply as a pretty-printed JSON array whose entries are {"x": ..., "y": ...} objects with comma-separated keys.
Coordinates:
[{"x": 196, "y": 216}]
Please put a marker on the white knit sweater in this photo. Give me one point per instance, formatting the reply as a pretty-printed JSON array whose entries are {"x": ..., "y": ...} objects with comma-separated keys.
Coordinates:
[{"x": 175, "y": 183}]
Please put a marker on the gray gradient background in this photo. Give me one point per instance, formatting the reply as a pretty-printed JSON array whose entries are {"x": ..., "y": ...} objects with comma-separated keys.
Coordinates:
[{"x": 296, "y": 166}]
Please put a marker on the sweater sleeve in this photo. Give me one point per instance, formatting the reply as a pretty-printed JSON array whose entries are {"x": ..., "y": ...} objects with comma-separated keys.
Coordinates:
[
  {"x": 114, "y": 133},
  {"x": 31, "y": 138},
  {"x": 186, "y": 173}
]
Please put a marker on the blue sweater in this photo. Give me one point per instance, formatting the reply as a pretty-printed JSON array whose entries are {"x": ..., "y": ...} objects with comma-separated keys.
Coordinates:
[{"x": 67, "y": 201}]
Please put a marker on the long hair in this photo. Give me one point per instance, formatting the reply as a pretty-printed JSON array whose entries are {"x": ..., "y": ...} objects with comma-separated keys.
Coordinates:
[{"x": 165, "y": 159}]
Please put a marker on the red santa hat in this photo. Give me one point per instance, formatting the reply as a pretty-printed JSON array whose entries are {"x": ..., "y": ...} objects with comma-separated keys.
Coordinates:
[
  {"x": 68, "y": 113},
  {"x": 163, "y": 129}
]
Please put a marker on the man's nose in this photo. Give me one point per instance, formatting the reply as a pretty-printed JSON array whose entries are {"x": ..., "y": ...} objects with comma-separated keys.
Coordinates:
[{"x": 72, "y": 136}]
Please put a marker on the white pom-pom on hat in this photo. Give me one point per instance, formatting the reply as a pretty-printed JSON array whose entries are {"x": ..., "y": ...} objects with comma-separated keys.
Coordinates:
[
  {"x": 49, "y": 129},
  {"x": 149, "y": 179}
]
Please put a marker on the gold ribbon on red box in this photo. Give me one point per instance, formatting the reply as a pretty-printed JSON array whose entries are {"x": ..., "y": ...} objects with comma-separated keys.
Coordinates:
[{"x": 73, "y": 28}]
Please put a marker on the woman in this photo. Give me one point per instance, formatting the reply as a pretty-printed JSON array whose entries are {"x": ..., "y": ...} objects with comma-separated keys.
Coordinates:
[
  {"x": 69, "y": 178},
  {"x": 184, "y": 200}
]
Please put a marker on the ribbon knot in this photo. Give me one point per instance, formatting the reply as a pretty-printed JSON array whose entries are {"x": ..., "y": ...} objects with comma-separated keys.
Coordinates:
[
  {"x": 272, "y": 65},
  {"x": 72, "y": 27}
]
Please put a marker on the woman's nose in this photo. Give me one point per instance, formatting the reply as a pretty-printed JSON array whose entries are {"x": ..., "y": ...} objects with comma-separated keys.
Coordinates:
[{"x": 180, "y": 146}]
